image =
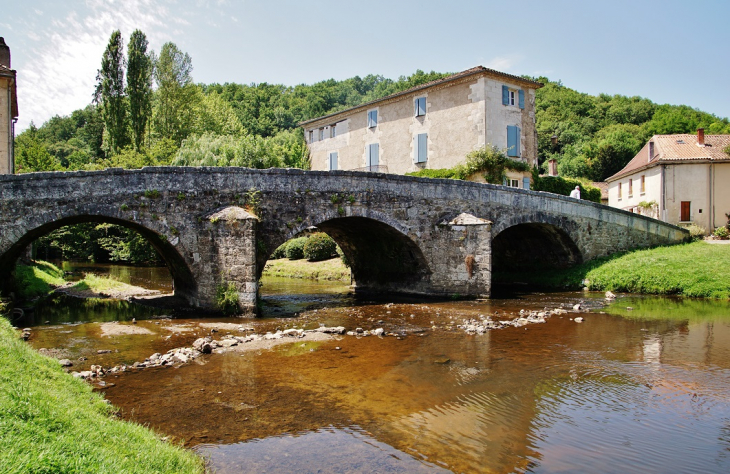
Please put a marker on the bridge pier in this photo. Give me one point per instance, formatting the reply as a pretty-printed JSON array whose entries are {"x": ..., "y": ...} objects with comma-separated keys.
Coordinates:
[
  {"x": 461, "y": 256},
  {"x": 227, "y": 256}
]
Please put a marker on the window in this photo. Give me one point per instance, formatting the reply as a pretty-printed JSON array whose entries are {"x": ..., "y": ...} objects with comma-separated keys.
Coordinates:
[
  {"x": 372, "y": 118},
  {"x": 631, "y": 187},
  {"x": 513, "y": 97},
  {"x": 642, "y": 190},
  {"x": 333, "y": 131},
  {"x": 651, "y": 151},
  {"x": 333, "y": 161},
  {"x": 619, "y": 190},
  {"x": 684, "y": 212},
  {"x": 420, "y": 148},
  {"x": 373, "y": 155},
  {"x": 420, "y": 104},
  {"x": 321, "y": 134},
  {"x": 311, "y": 136},
  {"x": 513, "y": 141},
  {"x": 514, "y": 183}
]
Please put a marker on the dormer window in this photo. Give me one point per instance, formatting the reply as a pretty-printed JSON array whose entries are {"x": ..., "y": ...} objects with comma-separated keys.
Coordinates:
[
  {"x": 651, "y": 151},
  {"x": 513, "y": 97}
]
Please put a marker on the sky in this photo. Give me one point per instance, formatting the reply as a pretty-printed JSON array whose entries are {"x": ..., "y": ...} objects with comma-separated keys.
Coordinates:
[{"x": 670, "y": 51}]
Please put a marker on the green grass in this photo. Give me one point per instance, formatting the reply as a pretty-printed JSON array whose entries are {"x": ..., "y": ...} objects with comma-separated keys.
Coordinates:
[
  {"x": 100, "y": 284},
  {"x": 53, "y": 423},
  {"x": 38, "y": 279},
  {"x": 332, "y": 269},
  {"x": 696, "y": 269}
]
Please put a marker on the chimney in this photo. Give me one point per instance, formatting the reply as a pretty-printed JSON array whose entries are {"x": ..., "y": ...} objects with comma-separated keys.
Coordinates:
[
  {"x": 4, "y": 53},
  {"x": 700, "y": 137},
  {"x": 553, "y": 167}
]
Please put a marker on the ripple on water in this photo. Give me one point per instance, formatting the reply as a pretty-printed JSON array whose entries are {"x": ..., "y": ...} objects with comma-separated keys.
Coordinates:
[{"x": 326, "y": 450}]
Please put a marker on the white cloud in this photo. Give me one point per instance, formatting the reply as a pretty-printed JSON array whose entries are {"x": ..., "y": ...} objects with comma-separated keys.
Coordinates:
[
  {"x": 60, "y": 74},
  {"x": 502, "y": 63}
]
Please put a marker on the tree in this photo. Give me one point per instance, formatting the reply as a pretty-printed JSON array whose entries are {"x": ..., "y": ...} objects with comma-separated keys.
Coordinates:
[
  {"x": 110, "y": 93},
  {"x": 139, "y": 86},
  {"x": 30, "y": 153},
  {"x": 177, "y": 98}
]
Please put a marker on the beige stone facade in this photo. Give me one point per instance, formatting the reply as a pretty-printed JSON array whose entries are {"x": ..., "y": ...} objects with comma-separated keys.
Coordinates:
[
  {"x": 434, "y": 126},
  {"x": 684, "y": 177},
  {"x": 8, "y": 110}
]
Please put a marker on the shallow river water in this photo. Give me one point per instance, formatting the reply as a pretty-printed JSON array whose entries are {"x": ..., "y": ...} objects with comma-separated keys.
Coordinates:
[{"x": 627, "y": 390}]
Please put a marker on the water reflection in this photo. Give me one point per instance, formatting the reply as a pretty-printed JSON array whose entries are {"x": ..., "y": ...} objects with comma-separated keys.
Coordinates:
[{"x": 646, "y": 389}]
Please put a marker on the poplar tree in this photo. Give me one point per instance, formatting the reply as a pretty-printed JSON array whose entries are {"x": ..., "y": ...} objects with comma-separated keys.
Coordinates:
[
  {"x": 109, "y": 93},
  {"x": 177, "y": 99},
  {"x": 139, "y": 86}
]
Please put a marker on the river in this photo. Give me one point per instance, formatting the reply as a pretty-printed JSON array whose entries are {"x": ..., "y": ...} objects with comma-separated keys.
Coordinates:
[{"x": 645, "y": 389}]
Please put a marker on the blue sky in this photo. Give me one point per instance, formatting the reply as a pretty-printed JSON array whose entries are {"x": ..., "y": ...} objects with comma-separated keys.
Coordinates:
[{"x": 668, "y": 51}]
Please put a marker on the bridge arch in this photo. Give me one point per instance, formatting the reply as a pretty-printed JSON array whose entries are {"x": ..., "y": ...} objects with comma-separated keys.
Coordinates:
[
  {"x": 184, "y": 283},
  {"x": 381, "y": 254},
  {"x": 533, "y": 243}
]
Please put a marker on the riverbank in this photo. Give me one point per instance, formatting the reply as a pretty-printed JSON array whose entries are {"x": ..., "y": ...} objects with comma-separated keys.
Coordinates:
[
  {"x": 42, "y": 278},
  {"x": 331, "y": 270},
  {"x": 53, "y": 422},
  {"x": 696, "y": 269}
]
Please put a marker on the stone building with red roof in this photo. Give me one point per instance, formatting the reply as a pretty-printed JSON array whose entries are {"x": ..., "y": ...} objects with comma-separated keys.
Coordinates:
[
  {"x": 8, "y": 110},
  {"x": 681, "y": 179},
  {"x": 434, "y": 125}
]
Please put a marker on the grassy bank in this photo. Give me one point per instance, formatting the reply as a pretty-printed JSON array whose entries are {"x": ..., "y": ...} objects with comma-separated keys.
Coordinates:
[
  {"x": 332, "y": 269},
  {"x": 696, "y": 269},
  {"x": 53, "y": 423}
]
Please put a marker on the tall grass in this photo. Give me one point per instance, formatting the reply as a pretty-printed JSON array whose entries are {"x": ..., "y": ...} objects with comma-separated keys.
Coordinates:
[
  {"x": 38, "y": 279},
  {"x": 53, "y": 423}
]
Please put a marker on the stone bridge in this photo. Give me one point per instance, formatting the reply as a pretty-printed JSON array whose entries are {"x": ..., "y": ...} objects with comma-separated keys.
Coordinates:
[{"x": 215, "y": 226}]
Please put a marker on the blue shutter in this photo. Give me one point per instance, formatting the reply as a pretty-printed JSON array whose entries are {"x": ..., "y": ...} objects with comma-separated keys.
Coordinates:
[
  {"x": 526, "y": 183},
  {"x": 422, "y": 148},
  {"x": 513, "y": 140},
  {"x": 333, "y": 160},
  {"x": 505, "y": 95},
  {"x": 420, "y": 106},
  {"x": 522, "y": 99},
  {"x": 504, "y": 181}
]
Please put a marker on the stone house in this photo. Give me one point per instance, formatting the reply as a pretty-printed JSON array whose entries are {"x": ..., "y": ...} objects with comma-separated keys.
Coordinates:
[
  {"x": 8, "y": 110},
  {"x": 434, "y": 125},
  {"x": 680, "y": 179}
]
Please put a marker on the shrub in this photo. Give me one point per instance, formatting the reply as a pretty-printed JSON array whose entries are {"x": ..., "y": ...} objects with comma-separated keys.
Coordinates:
[
  {"x": 280, "y": 252},
  {"x": 295, "y": 248},
  {"x": 563, "y": 186},
  {"x": 696, "y": 232},
  {"x": 319, "y": 247},
  {"x": 226, "y": 298},
  {"x": 449, "y": 173},
  {"x": 722, "y": 233}
]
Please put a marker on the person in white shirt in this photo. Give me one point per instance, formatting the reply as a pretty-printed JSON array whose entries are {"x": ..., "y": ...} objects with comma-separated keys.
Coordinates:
[{"x": 575, "y": 193}]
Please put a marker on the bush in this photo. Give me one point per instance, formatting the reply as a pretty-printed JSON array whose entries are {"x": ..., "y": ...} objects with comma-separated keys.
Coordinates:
[
  {"x": 696, "y": 232},
  {"x": 449, "y": 173},
  {"x": 319, "y": 247},
  {"x": 343, "y": 257},
  {"x": 280, "y": 252},
  {"x": 563, "y": 186},
  {"x": 226, "y": 298},
  {"x": 295, "y": 248},
  {"x": 722, "y": 233}
]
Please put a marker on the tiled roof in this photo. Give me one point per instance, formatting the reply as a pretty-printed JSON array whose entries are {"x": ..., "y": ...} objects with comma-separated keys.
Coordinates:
[
  {"x": 677, "y": 148},
  {"x": 453, "y": 77}
]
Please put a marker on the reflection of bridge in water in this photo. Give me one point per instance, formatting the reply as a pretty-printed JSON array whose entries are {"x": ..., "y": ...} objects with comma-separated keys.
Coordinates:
[{"x": 401, "y": 234}]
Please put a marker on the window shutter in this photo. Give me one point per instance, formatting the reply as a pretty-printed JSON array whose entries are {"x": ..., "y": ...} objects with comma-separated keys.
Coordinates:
[
  {"x": 522, "y": 99},
  {"x": 415, "y": 149},
  {"x": 504, "y": 181},
  {"x": 513, "y": 141},
  {"x": 505, "y": 95},
  {"x": 526, "y": 183},
  {"x": 373, "y": 151},
  {"x": 333, "y": 161},
  {"x": 422, "y": 148}
]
